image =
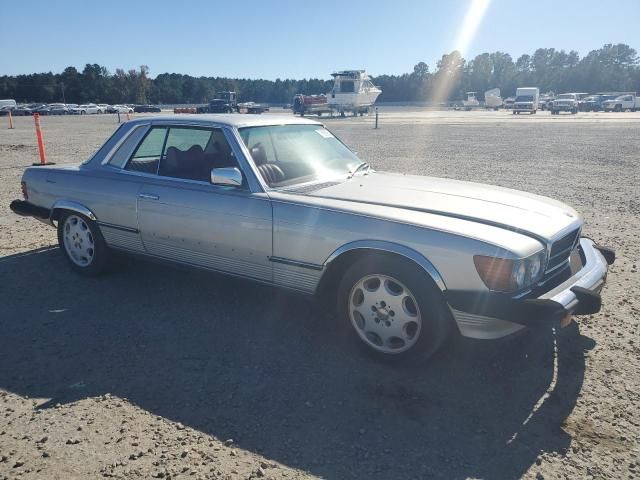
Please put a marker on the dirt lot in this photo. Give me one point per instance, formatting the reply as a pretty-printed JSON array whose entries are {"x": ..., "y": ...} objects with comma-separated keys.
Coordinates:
[{"x": 153, "y": 371}]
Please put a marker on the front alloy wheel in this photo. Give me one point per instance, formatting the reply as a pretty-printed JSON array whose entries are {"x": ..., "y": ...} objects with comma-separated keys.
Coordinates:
[
  {"x": 384, "y": 313},
  {"x": 392, "y": 308}
]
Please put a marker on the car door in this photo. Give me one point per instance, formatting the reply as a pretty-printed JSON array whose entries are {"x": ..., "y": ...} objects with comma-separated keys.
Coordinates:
[{"x": 183, "y": 217}]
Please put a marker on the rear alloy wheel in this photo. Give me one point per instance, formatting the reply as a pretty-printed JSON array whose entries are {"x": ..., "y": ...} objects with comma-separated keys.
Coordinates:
[
  {"x": 394, "y": 309},
  {"x": 82, "y": 244}
]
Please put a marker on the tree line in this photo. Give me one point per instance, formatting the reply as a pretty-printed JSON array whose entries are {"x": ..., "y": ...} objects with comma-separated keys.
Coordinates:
[{"x": 610, "y": 68}]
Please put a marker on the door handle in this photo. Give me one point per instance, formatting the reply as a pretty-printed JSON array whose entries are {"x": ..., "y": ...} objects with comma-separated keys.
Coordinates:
[{"x": 148, "y": 196}]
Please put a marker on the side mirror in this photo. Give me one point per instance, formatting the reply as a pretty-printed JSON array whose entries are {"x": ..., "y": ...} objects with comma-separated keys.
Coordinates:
[{"x": 229, "y": 176}]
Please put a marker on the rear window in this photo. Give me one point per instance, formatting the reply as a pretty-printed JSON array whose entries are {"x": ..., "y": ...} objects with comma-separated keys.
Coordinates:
[
  {"x": 120, "y": 157},
  {"x": 147, "y": 156}
]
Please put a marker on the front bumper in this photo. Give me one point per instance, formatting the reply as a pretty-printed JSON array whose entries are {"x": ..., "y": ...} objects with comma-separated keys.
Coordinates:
[
  {"x": 564, "y": 108},
  {"x": 523, "y": 107},
  {"x": 494, "y": 315}
]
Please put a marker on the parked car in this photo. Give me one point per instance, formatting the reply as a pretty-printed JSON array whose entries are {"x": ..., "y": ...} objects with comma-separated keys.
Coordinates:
[
  {"x": 58, "y": 109},
  {"x": 122, "y": 109},
  {"x": 593, "y": 103},
  {"x": 406, "y": 260},
  {"x": 623, "y": 103},
  {"x": 146, "y": 109},
  {"x": 104, "y": 108},
  {"x": 86, "y": 109},
  {"x": 23, "y": 110},
  {"x": 565, "y": 102},
  {"x": 42, "y": 110},
  {"x": 545, "y": 102},
  {"x": 508, "y": 103}
]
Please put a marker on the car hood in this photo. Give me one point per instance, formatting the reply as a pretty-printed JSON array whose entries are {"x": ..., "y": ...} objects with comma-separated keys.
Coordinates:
[{"x": 535, "y": 215}]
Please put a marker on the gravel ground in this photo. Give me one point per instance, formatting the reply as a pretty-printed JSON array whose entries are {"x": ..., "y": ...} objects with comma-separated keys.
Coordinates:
[{"x": 154, "y": 371}]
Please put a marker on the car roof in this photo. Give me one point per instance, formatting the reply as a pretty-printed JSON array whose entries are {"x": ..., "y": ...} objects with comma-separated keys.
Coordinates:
[{"x": 230, "y": 119}]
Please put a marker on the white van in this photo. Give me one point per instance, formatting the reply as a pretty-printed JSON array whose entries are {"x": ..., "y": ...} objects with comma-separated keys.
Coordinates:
[
  {"x": 7, "y": 105},
  {"x": 526, "y": 100}
]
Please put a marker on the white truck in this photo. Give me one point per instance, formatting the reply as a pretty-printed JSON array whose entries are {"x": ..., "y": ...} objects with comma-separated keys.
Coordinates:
[
  {"x": 526, "y": 100},
  {"x": 7, "y": 106},
  {"x": 565, "y": 102},
  {"x": 623, "y": 103}
]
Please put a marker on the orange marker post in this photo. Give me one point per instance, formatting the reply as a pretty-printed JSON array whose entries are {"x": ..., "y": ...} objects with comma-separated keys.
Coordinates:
[
  {"x": 43, "y": 154},
  {"x": 10, "y": 120}
]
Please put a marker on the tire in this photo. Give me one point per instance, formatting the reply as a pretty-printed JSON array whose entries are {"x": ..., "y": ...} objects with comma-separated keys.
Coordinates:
[
  {"x": 82, "y": 244},
  {"x": 393, "y": 294}
]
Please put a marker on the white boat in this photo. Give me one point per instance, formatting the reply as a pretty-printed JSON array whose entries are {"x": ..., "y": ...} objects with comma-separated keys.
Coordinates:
[
  {"x": 471, "y": 101},
  {"x": 353, "y": 91},
  {"x": 492, "y": 98}
]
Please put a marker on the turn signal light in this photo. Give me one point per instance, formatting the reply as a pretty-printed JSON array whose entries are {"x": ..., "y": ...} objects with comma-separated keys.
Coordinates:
[{"x": 496, "y": 273}]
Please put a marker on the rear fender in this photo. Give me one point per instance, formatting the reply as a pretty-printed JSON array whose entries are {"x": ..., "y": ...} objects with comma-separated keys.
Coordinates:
[{"x": 72, "y": 206}]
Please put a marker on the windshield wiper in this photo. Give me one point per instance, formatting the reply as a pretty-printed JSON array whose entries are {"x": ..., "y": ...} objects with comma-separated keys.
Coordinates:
[{"x": 358, "y": 168}]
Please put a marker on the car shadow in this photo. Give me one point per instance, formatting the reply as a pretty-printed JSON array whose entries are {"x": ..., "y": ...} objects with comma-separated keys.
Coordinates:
[{"x": 268, "y": 369}]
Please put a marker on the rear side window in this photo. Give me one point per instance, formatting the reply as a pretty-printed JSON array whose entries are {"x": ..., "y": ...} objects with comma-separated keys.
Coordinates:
[
  {"x": 185, "y": 138},
  {"x": 192, "y": 152},
  {"x": 120, "y": 157},
  {"x": 146, "y": 158}
]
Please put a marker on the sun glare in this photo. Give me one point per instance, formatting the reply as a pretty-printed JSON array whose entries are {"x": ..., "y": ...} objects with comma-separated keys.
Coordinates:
[
  {"x": 470, "y": 25},
  {"x": 446, "y": 81}
]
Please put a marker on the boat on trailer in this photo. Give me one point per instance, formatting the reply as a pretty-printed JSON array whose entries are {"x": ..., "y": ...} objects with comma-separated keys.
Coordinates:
[{"x": 352, "y": 92}]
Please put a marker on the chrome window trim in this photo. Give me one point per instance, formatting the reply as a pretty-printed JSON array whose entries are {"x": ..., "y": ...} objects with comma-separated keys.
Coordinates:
[
  {"x": 249, "y": 160},
  {"x": 230, "y": 134}
]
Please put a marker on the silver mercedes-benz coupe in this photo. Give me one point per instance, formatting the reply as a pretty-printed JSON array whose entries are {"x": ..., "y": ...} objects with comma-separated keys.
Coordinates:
[{"x": 407, "y": 260}]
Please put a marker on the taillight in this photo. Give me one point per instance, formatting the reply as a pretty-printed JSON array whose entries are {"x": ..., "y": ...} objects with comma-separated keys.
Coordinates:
[{"x": 25, "y": 193}]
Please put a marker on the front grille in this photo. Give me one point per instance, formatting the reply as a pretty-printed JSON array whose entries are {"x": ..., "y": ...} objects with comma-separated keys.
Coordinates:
[{"x": 561, "y": 249}]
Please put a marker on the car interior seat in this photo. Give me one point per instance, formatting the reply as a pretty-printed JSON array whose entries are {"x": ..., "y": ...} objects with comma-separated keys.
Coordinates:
[{"x": 271, "y": 173}]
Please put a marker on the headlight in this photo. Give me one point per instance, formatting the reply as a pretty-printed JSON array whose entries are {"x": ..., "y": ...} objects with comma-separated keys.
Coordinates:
[
  {"x": 507, "y": 275},
  {"x": 535, "y": 267},
  {"x": 519, "y": 275}
]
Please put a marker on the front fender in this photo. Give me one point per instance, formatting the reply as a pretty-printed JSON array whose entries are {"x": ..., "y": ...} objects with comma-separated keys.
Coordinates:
[{"x": 390, "y": 247}]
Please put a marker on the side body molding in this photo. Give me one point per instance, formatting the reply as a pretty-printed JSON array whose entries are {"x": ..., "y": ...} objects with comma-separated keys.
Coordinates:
[
  {"x": 73, "y": 206},
  {"x": 391, "y": 247}
]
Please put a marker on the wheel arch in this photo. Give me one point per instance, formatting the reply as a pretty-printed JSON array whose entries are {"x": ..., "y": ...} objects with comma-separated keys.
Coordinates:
[
  {"x": 72, "y": 206},
  {"x": 347, "y": 254}
]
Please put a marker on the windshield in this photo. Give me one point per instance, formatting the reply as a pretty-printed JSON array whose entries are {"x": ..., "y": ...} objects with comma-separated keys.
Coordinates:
[
  {"x": 524, "y": 98},
  {"x": 567, "y": 96},
  {"x": 293, "y": 154}
]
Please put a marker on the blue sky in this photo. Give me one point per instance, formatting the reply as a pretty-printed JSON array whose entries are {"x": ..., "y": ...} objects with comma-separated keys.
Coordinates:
[{"x": 293, "y": 39}]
